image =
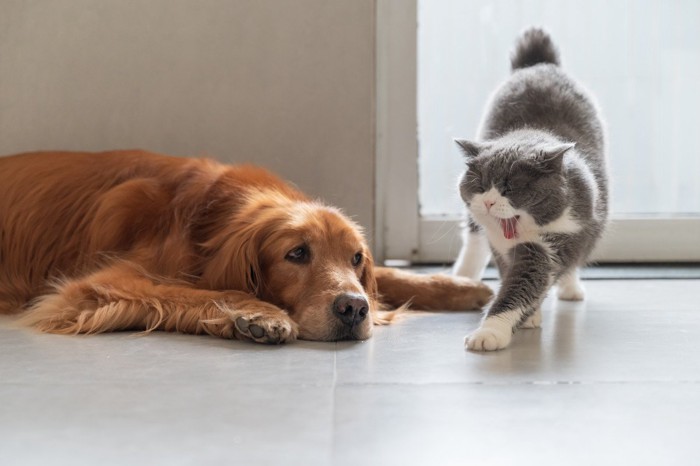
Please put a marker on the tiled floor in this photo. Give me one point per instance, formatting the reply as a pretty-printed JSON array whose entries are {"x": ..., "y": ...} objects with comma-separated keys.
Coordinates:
[{"x": 614, "y": 380}]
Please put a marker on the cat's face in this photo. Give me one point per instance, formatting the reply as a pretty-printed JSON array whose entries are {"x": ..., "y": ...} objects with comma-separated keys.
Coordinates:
[{"x": 506, "y": 188}]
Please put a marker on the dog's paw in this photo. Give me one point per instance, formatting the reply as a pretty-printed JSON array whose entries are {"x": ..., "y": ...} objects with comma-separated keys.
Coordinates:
[
  {"x": 463, "y": 293},
  {"x": 534, "y": 321},
  {"x": 482, "y": 294},
  {"x": 487, "y": 339},
  {"x": 265, "y": 328}
]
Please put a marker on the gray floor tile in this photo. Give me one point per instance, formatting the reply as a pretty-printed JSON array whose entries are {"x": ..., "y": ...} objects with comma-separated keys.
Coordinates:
[
  {"x": 612, "y": 380},
  {"x": 574, "y": 345},
  {"x": 598, "y": 424},
  {"x": 638, "y": 295},
  {"x": 631, "y": 295},
  {"x": 130, "y": 424},
  {"x": 159, "y": 358}
]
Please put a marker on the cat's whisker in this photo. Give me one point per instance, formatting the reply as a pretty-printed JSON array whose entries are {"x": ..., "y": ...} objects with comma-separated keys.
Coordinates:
[
  {"x": 442, "y": 236},
  {"x": 519, "y": 224}
]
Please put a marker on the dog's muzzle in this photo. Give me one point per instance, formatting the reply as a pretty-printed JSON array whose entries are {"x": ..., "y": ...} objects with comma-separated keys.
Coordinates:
[{"x": 351, "y": 308}]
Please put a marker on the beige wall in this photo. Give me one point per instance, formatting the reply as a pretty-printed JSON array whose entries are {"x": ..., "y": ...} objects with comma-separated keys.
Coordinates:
[{"x": 284, "y": 84}]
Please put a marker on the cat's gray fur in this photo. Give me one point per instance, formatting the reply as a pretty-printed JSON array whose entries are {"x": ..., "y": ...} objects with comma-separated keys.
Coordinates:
[{"x": 526, "y": 153}]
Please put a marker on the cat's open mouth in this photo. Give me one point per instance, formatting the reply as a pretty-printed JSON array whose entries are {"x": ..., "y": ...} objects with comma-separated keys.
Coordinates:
[{"x": 509, "y": 226}]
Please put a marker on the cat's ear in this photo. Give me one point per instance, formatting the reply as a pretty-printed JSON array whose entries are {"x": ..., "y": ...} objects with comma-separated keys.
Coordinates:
[
  {"x": 551, "y": 158},
  {"x": 469, "y": 149}
]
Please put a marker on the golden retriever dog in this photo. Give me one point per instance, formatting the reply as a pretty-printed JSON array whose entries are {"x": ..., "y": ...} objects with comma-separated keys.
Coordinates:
[{"x": 124, "y": 240}]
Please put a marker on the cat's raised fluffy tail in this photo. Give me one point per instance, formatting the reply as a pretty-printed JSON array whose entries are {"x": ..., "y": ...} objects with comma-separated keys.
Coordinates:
[{"x": 533, "y": 47}]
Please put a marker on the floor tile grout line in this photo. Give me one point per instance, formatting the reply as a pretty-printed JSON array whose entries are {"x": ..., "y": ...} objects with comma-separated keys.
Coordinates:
[
  {"x": 334, "y": 384},
  {"x": 523, "y": 383}
]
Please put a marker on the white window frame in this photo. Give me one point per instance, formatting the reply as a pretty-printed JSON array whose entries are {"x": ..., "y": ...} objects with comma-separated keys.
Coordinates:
[{"x": 403, "y": 234}]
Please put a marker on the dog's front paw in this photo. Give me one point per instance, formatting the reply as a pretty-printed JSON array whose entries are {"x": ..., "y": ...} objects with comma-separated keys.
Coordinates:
[
  {"x": 271, "y": 330},
  {"x": 488, "y": 339},
  {"x": 265, "y": 327}
]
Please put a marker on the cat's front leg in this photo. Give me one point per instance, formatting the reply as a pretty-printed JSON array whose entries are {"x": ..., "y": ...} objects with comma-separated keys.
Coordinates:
[
  {"x": 474, "y": 255},
  {"x": 523, "y": 289},
  {"x": 534, "y": 320}
]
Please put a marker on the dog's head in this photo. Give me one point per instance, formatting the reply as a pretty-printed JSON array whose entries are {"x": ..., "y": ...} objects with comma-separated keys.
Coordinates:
[{"x": 305, "y": 257}]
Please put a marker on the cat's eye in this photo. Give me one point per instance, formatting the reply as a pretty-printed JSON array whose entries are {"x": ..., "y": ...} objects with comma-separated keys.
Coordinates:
[
  {"x": 507, "y": 187},
  {"x": 299, "y": 255},
  {"x": 474, "y": 182},
  {"x": 357, "y": 259}
]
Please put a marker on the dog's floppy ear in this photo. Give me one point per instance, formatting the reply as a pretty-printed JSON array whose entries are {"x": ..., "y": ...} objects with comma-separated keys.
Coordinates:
[
  {"x": 379, "y": 313},
  {"x": 234, "y": 264},
  {"x": 369, "y": 281},
  {"x": 228, "y": 235},
  {"x": 230, "y": 250}
]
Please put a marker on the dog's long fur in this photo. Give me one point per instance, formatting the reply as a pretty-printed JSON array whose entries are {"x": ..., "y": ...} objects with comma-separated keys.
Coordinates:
[{"x": 97, "y": 242}]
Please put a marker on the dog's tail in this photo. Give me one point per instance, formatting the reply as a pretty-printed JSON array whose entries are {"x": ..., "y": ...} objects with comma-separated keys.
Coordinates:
[{"x": 534, "y": 46}]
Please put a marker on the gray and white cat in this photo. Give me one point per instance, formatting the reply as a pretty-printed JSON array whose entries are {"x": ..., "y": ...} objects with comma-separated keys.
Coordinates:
[{"x": 536, "y": 190}]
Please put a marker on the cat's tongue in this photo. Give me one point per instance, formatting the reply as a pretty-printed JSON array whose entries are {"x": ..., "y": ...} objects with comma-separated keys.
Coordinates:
[{"x": 508, "y": 225}]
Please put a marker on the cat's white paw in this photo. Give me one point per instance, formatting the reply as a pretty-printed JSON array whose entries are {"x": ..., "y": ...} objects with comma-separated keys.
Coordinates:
[
  {"x": 534, "y": 321},
  {"x": 488, "y": 339},
  {"x": 570, "y": 287},
  {"x": 571, "y": 291}
]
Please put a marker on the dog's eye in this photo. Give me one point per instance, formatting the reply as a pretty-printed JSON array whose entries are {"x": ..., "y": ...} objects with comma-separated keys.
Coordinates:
[
  {"x": 298, "y": 255},
  {"x": 357, "y": 259}
]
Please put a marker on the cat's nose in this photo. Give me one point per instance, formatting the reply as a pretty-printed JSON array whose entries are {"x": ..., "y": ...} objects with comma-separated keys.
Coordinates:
[{"x": 489, "y": 204}]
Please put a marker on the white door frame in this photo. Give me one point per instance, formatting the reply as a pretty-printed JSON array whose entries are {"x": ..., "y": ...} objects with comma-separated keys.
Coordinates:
[
  {"x": 396, "y": 142},
  {"x": 402, "y": 234}
]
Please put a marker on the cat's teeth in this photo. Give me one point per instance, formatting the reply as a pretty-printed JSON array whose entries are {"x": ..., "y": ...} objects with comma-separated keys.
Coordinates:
[{"x": 509, "y": 227}]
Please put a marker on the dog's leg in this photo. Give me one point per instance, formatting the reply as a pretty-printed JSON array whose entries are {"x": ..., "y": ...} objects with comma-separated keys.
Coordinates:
[
  {"x": 437, "y": 291},
  {"x": 120, "y": 298}
]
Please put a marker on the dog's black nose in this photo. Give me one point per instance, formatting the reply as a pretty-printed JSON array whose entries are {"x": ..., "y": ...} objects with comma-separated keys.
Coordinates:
[{"x": 351, "y": 308}]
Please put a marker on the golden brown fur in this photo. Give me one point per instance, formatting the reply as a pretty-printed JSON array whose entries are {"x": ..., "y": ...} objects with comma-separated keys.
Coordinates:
[{"x": 133, "y": 240}]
